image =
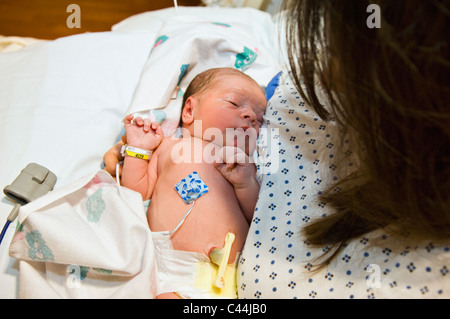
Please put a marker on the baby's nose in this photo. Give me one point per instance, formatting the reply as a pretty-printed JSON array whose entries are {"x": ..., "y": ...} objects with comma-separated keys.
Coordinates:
[{"x": 249, "y": 115}]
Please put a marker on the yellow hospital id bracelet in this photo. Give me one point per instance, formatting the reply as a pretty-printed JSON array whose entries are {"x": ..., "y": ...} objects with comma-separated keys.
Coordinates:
[{"x": 135, "y": 152}]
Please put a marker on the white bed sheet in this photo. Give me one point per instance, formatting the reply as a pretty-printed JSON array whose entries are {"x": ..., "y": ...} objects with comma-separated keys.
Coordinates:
[{"x": 62, "y": 101}]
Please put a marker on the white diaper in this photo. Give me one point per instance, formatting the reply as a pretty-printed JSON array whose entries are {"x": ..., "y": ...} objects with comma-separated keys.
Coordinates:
[{"x": 190, "y": 274}]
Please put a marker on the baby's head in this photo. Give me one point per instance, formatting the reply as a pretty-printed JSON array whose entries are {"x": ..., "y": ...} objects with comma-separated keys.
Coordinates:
[{"x": 223, "y": 98}]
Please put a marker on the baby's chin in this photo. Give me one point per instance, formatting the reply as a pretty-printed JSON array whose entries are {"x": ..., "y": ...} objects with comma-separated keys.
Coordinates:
[{"x": 247, "y": 147}]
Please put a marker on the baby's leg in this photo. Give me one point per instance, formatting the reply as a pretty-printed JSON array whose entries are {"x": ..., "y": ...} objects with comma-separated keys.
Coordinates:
[{"x": 168, "y": 295}]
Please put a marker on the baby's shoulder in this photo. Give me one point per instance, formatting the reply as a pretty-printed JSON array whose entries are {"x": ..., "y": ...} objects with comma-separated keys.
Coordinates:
[{"x": 167, "y": 143}]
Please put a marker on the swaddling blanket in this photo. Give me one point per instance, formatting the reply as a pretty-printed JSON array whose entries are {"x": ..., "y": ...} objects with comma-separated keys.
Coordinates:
[
  {"x": 186, "y": 46},
  {"x": 89, "y": 239}
]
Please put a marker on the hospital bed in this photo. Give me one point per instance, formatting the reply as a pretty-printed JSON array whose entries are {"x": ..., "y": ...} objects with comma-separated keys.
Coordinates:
[{"x": 64, "y": 90}]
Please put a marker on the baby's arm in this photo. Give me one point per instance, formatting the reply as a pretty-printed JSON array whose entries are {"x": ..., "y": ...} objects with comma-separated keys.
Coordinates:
[
  {"x": 247, "y": 194},
  {"x": 237, "y": 169},
  {"x": 139, "y": 174}
]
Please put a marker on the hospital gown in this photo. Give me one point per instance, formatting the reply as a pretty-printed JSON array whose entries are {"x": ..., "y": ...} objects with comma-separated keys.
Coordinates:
[{"x": 277, "y": 261}]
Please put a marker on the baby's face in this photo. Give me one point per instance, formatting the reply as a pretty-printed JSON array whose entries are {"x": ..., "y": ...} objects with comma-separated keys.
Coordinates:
[{"x": 234, "y": 102}]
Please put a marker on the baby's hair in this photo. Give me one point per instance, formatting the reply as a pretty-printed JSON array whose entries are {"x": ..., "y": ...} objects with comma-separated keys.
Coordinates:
[{"x": 205, "y": 81}]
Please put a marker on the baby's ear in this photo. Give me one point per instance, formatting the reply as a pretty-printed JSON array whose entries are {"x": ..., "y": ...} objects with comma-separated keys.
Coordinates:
[{"x": 187, "y": 114}]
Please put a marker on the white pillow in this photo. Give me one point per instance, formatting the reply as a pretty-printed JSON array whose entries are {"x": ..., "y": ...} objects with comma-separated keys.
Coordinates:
[
  {"x": 62, "y": 101},
  {"x": 259, "y": 22}
]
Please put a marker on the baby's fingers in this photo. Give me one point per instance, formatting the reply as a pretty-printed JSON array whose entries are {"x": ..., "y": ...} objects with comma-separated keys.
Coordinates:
[
  {"x": 127, "y": 120},
  {"x": 157, "y": 128},
  {"x": 147, "y": 125},
  {"x": 138, "y": 121},
  {"x": 231, "y": 155}
]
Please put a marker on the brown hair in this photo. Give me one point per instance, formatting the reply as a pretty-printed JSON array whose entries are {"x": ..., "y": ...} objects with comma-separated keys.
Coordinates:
[{"x": 388, "y": 88}]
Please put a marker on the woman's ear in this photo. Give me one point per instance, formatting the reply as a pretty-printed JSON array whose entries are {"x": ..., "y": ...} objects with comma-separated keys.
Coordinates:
[{"x": 187, "y": 115}]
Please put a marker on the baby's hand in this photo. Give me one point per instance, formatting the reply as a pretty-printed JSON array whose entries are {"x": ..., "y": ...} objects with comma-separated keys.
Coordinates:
[
  {"x": 235, "y": 166},
  {"x": 142, "y": 133}
]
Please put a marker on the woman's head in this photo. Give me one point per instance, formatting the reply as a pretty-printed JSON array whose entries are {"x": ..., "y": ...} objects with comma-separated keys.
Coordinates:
[{"x": 388, "y": 87}]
